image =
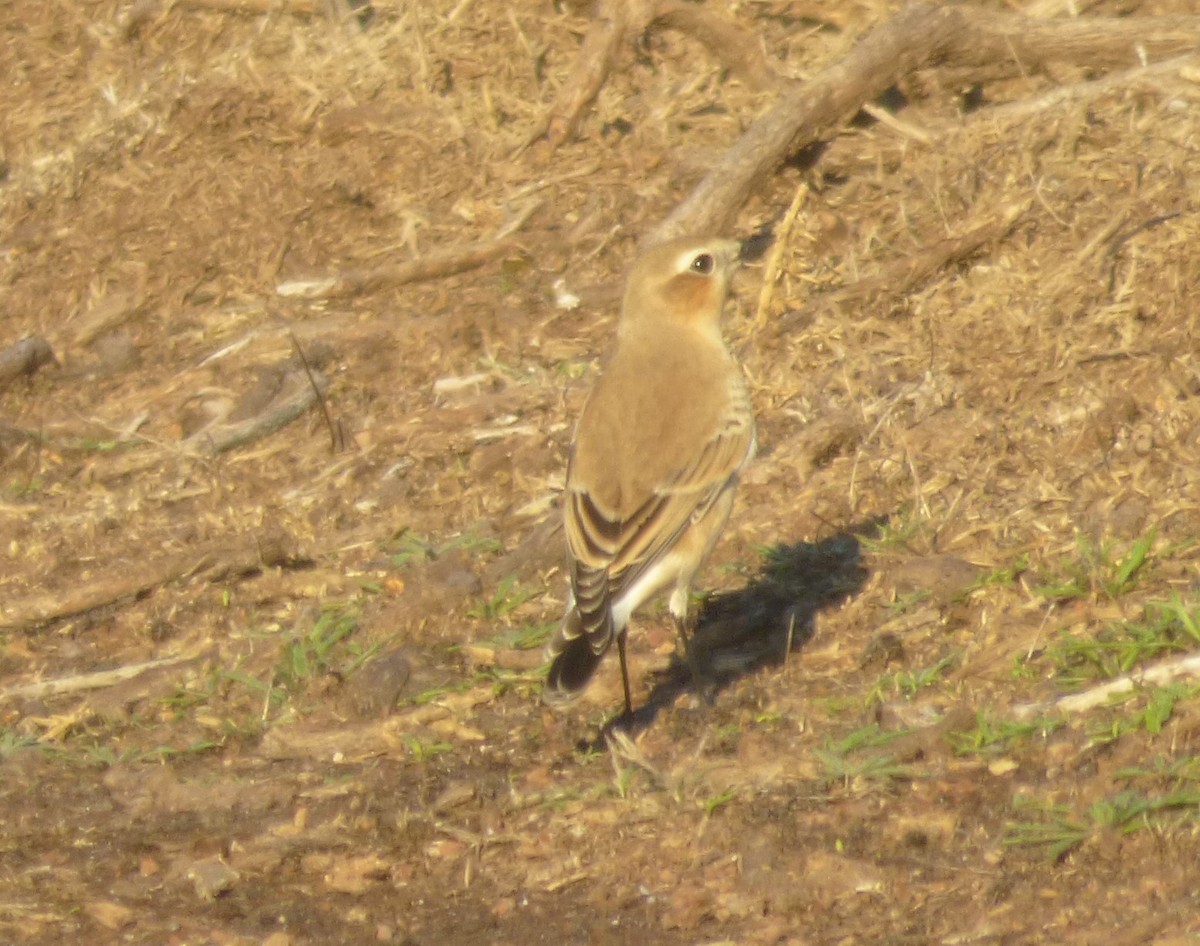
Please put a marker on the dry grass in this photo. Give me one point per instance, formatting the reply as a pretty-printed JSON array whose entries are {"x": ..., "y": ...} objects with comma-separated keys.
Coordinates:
[{"x": 975, "y": 495}]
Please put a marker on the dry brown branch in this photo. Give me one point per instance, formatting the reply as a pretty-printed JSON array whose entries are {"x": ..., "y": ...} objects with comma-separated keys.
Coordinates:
[
  {"x": 90, "y": 681},
  {"x": 351, "y": 741},
  {"x": 912, "y": 38},
  {"x": 1077, "y": 92},
  {"x": 24, "y": 359},
  {"x": 919, "y": 36},
  {"x": 1102, "y": 42},
  {"x": 901, "y": 276},
  {"x": 1052, "y": 8},
  {"x": 216, "y": 560},
  {"x": 35, "y": 610},
  {"x": 354, "y": 741},
  {"x": 1154, "y": 79},
  {"x": 739, "y": 49},
  {"x": 254, "y": 7},
  {"x": 280, "y": 397},
  {"x": 902, "y": 128},
  {"x": 144, "y": 10},
  {"x": 1158, "y": 675},
  {"x": 353, "y": 282},
  {"x": 617, "y": 19},
  {"x": 295, "y": 394}
]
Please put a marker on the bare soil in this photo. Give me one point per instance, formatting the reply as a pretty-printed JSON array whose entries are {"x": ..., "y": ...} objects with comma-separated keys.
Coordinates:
[{"x": 319, "y": 719}]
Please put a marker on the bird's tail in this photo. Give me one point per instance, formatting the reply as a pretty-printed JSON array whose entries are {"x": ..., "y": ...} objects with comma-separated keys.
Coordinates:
[{"x": 572, "y": 660}]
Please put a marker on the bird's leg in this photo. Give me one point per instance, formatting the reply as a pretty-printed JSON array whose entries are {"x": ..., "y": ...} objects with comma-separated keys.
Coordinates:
[
  {"x": 699, "y": 681},
  {"x": 624, "y": 673}
]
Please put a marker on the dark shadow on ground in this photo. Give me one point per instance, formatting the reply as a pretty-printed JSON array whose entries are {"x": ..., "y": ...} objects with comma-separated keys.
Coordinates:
[{"x": 738, "y": 632}]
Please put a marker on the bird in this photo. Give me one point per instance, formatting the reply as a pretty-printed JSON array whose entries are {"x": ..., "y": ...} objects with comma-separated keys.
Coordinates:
[{"x": 654, "y": 461}]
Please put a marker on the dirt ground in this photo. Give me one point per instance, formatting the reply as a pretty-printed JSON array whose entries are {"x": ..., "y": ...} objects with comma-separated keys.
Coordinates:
[{"x": 270, "y": 673}]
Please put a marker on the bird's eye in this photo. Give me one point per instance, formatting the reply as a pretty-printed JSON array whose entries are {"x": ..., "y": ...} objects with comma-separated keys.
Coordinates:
[{"x": 703, "y": 264}]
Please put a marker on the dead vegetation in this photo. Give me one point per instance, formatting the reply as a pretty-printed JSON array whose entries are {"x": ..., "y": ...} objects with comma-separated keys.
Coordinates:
[{"x": 296, "y": 308}]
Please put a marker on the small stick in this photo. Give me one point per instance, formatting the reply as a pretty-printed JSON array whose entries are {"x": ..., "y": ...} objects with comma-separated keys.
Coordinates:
[
  {"x": 738, "y": 48},
  {"x": 1126, "y": 80},
  {"x": 353, "y": 282},
  {"x": 595, "y": 62},
  {"x": 216, "y": 559},
  {"x": 773, "y": 261},
  {"x": 252, "y": 7},
  {"x": 336, "y": 442},
  {"x": 888, "y": 120},
  {"x": 1165, "y": 672},
  {"x": 903, "y": 275},
  {"x": 791, "y": 632},
  {"x": 282, "y": 410},
  {"x": 89, "y": 681},
  {"x": 1052, "y": 8}
]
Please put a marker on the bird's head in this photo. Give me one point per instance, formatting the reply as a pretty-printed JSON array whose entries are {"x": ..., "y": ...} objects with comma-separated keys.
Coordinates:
[{"x": 684, "y": 281}]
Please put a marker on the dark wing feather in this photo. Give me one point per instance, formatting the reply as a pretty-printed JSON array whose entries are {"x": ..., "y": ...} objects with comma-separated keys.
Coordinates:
[{"x": 610, "y": 552}]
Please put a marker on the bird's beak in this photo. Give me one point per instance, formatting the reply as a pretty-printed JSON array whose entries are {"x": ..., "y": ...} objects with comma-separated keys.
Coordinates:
[{"x": 753, "y": 248}]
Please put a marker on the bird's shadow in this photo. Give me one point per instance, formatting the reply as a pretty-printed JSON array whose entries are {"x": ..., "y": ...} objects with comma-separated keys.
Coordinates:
[{"x": 759, "y": 625}]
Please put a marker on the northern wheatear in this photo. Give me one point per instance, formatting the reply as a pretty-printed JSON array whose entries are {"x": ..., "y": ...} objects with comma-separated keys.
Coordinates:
[{"x": 655, "y": 458}]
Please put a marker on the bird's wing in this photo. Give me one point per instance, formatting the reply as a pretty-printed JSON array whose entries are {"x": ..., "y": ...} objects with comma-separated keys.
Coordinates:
[{"x": 609, "y": 552}]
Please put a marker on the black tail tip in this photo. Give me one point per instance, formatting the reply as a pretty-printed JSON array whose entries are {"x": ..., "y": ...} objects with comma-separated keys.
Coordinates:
[{"x": 570, "y": 672}]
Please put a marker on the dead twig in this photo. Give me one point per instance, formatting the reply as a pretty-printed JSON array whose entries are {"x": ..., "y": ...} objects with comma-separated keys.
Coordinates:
[
  {"x": 337, "y": 436},
  {"x": 617, "y": 20},
  {"x": 144, "y": 10},
  {"x": 280, "y": 398},
  {"x": 356, "y": 741},
  {"x": 1027, "y": 44},
  {"x": 297, "y": 391},
  {"x": 89, "y": 681},
  {"x": 217, "y": 560},
  {"x": 1126, "y": 80},
  {"x": 254, "y": 7},
  {"x": 774, "y": 260},
  {"x": 739, "y": 49},
  {"x": 914, "y": 37},
  {"x": 998, "y": 119},
  {"x": 903, "y": 275},
  {"x": 902, "y": 128},
  {"x": 1158, "y": 675},
  {"x": 1051, "y": 8},
  {"x": 355, "y": 282},
  {"x": 917, "y": 37}
]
